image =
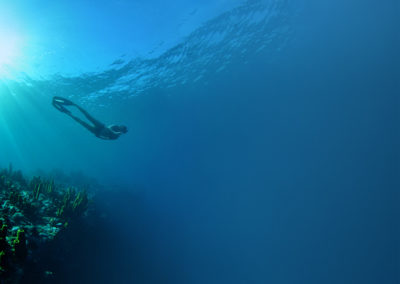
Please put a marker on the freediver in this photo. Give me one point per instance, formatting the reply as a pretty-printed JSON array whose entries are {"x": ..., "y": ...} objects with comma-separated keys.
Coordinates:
[{"x": 99, "y": 129}]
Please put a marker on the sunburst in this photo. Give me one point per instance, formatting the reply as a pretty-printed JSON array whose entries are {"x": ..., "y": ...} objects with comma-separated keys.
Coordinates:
[{"x": 10, "y": 50}]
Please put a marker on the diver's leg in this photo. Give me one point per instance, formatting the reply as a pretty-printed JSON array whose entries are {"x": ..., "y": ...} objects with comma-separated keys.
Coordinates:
[
  {"x": 95, "y": 122},
  {"x": 59, "y": 103},
  {"x": 83, "y": 123}
]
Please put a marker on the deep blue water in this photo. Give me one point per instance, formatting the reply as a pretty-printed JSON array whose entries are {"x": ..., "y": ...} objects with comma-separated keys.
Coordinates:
[{"x": 262, "y": 148}]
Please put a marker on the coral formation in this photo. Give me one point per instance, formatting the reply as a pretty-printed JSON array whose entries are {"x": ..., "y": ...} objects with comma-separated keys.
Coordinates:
[
  {"x": 19, "y": 245},
  {"x": 73, "y": 205},
  {"x": 32, "y": 215}
]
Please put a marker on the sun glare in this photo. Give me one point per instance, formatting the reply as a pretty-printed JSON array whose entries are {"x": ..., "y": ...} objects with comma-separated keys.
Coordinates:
[
  {"x": 10, "y": 49},
  {"x": 7, "y": 52}
]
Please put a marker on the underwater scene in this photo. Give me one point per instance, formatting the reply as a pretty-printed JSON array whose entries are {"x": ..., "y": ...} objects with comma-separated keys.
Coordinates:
[{"x": 199, "y": 142}]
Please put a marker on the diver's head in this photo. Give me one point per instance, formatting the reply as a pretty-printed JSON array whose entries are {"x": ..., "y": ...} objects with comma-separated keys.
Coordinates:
[{"x": 119, "y": 128}]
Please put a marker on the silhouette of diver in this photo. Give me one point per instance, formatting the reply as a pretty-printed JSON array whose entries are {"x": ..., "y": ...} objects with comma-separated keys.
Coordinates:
[{"x": 110, "y": 132}]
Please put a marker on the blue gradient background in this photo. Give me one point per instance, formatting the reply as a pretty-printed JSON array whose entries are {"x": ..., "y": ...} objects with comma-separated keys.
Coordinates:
[{"x": 282, "y": 168}]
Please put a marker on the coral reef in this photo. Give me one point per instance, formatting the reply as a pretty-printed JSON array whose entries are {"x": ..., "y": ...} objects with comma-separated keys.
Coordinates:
[{"x": 33, "y": 215}]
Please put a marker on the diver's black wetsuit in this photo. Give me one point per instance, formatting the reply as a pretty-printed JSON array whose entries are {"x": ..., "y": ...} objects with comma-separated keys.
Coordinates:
[{"x": 111, "y": 132}]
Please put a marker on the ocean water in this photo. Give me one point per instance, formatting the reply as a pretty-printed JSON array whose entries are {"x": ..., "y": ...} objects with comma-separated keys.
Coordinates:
[{"x": 262, "y": 144}]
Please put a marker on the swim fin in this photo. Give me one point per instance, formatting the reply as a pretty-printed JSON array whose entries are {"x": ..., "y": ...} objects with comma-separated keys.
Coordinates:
[
  {"x": 61, "y": 108},
  {"x": 62, "y": 101}
]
